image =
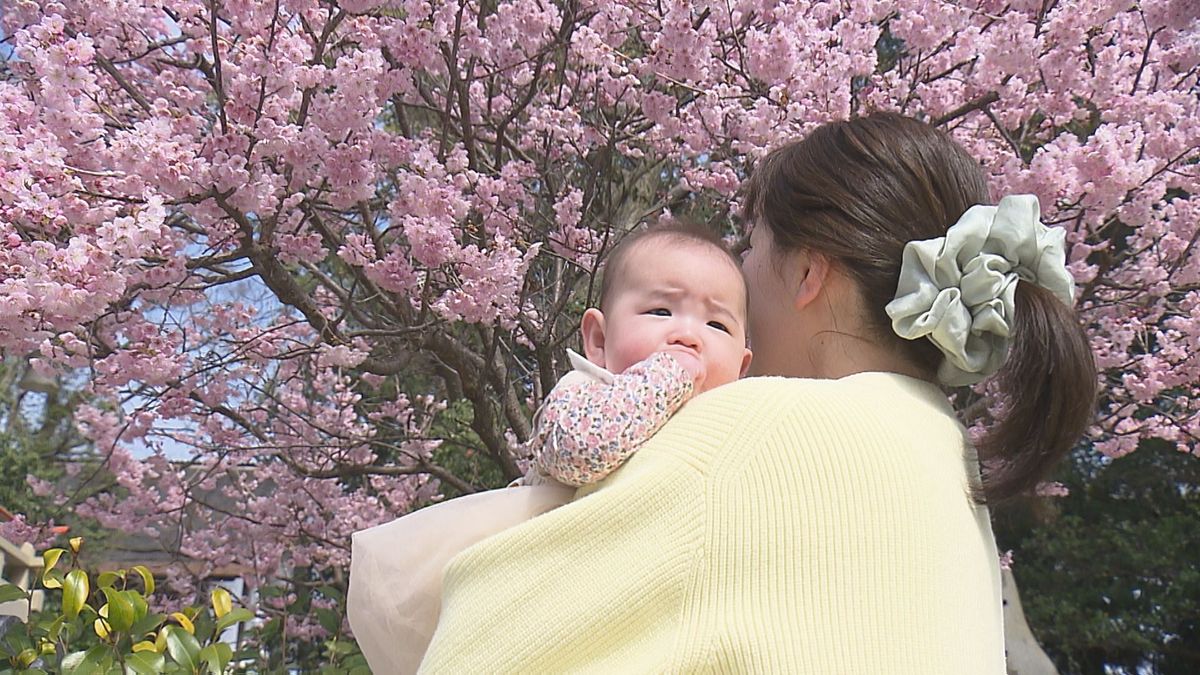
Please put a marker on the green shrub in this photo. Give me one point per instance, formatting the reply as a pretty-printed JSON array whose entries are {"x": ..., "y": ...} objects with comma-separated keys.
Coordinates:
[{"x": 103, "y": 624}]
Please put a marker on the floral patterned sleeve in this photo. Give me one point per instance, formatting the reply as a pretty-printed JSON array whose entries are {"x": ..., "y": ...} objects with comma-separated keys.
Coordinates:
[{"x": 588, "y": 429}]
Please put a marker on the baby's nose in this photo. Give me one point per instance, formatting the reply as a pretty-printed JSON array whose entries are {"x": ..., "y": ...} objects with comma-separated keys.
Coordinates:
[{"x": 686, "y": 336}]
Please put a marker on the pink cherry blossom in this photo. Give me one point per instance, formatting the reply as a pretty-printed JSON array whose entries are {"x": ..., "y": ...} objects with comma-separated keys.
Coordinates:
[{"x": 301, "y": 271}]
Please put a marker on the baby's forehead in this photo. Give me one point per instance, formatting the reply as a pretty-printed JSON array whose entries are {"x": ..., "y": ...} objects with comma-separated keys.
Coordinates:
[
  {"x": 681, "y": 244},
  {"x": 643, "y": 265}
]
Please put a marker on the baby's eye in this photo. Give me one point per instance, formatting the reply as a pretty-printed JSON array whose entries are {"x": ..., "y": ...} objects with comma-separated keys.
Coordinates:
[
  {"x": 719, "y": 326},
  {"x": 659, "y": 311}
]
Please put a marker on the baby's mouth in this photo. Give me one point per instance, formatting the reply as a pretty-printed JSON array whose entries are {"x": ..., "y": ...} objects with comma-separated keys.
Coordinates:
[{"x": 685, "y": 351}]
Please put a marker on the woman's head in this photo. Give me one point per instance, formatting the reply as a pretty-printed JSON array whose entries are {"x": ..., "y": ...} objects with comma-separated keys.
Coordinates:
[
  {"x": 839, "y": 207},
  {"x": 856, "y": 192}
]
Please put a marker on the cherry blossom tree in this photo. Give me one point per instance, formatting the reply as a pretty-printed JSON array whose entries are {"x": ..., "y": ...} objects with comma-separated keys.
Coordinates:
[{"x": 305, "y": 251}]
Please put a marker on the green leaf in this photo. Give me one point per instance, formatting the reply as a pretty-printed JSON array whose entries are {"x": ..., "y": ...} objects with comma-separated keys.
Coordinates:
[
  {"x": 50, "y": 558},
  {"x": 14, "y": 642},
  {"x": 236, "y": 615},
  {"x": 146, "y": 663},
  {"x": 9, "y": 592},
  {"x": 206, "y": 625},
  {"x": 71, "y": 661},
  {"x": 183, "y": 647},
  {"x": 271, "y": 630},
  {"x": 147, "y": 577},
  {"x": 54, "y": 630},
  {"x": 217, "y": 656},
  {"x": 339, "y": 648},
  {"x": 183, "y": 620},
  {"x": 144, "y": 646},
  {"x": 26, "y": 657},
  {"x": 331, "y": 592},
  {"x": 52, "y": 579},
  {"x": 140, "y": 607},
  {"x": 120, "y": 610},
  {"x": 75, "y": 593},
  {"x": 97, "y": 659},
  {"x": 146, "y": 624},
  {"x": 107, "y": 579},
  {"x": 329, "y": 619},
  {"x": 221, "y": 602}
]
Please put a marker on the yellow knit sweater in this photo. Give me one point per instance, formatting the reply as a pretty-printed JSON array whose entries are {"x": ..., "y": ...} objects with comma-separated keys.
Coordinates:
[{"x": 774, "y": 525}]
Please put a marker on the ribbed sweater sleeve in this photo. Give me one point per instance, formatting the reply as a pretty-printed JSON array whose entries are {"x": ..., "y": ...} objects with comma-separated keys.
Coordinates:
[{"x": 771, "y": 526}]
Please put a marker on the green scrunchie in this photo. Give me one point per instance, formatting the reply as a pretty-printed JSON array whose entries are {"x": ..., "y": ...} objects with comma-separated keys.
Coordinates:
[{"x": 958, "y": 290}]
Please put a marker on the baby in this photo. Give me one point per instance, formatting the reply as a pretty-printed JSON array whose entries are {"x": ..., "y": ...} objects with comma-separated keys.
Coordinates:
[{"x": 671, "y": 323}]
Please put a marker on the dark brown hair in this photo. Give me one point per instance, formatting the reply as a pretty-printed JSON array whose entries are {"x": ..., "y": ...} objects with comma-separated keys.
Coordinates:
[
  {"x": 858, "y": 191},
  {"x": 673, "y": 230}
]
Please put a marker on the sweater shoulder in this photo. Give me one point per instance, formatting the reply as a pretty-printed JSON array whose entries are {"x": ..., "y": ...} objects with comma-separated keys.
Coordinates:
[
  {"x": 851, "y": 391},
  {"x": 775, "y": 415}
]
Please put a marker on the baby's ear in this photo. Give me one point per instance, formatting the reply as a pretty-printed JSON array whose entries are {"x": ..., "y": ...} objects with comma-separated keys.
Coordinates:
[
  {"x": 592, "y": 330},
  {"x": 746, "y": 358}
]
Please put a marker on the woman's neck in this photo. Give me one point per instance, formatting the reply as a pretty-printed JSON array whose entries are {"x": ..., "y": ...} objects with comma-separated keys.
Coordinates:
[
  {"x": 835, "y": 354},
  {"x": 842, "y": 338}
]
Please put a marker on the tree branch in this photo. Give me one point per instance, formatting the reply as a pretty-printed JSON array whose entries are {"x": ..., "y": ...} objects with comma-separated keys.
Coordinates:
[{"x": 967, "y": 108}]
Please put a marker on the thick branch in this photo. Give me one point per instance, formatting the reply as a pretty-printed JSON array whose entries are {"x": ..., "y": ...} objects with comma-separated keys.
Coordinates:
[
  {"x": 347, "y": 471},
  {"x": 967, "y": 108},
  {"x": 484, "y": 422},
  {"x": 108, "y": 67},
  {"x": 218, "y": 85}
]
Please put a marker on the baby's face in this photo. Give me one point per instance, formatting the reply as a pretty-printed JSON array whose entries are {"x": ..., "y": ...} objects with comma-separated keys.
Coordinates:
[{"x": 685, "y": 298}]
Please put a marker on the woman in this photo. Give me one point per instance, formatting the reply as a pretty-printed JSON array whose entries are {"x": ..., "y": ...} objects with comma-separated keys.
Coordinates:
[{"x": 832, "y": 519}]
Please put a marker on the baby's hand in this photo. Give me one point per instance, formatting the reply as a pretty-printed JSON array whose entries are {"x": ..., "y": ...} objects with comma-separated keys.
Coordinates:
[{"x": 691, "y": 363}]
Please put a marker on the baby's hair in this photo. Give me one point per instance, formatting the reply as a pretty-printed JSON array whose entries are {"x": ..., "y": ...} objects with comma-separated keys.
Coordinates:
[{"x": 677, "y": 230}]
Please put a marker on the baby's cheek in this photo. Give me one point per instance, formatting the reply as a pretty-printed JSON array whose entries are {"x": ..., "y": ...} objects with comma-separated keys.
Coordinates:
[
  {"x": 628, "y": 353},
  {"x": 719, "y": 375}
]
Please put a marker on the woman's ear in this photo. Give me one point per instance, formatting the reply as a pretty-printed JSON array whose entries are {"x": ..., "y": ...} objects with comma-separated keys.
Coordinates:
[
  {"x": 810, "y": 271},
  {"x": 592, "y": 330}
]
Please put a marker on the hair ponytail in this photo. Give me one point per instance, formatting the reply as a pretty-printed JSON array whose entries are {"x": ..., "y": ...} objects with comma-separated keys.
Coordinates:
[{"x": 1047, "y": 387}]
